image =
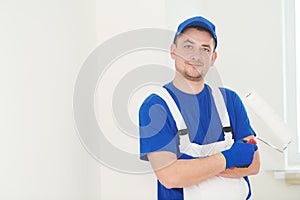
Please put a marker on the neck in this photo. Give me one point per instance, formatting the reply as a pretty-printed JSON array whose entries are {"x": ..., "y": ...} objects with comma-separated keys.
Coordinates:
[{"x": 188, "y": 86}]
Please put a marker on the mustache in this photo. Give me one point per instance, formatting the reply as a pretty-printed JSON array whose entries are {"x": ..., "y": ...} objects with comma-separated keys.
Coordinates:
[{"x": 194, "y": 63}]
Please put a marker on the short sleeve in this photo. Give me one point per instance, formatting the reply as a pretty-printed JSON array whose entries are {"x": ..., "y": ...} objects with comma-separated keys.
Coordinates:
[
  {"x": 157, "y": 128},
  {"x": 238, "y": 116}
]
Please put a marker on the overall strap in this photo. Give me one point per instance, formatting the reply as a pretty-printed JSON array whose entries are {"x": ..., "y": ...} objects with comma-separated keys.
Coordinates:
[
  {"x": 194, "y": 149},
  {"x": 222, "y": 109},
  {"x": 165, "y": 95},
  {"x": 180, "y": 123}
]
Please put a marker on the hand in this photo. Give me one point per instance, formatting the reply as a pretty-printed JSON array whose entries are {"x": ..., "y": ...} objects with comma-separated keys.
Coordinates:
[{"x": 240, "y": 154}]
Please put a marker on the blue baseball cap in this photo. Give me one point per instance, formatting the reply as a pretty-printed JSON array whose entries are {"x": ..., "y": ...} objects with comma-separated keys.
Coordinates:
[{"x": 198, "y": 21}]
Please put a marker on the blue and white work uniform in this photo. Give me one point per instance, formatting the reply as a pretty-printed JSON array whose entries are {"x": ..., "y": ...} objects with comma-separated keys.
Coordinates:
[{"x": 158, "y": 132}]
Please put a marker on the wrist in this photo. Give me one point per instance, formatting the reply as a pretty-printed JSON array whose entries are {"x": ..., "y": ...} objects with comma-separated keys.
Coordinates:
[{"x": 224, "y": 160}]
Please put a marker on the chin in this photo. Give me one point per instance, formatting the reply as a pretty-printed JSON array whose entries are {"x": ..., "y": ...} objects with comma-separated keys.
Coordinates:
[{"x": 194, "y": 78}]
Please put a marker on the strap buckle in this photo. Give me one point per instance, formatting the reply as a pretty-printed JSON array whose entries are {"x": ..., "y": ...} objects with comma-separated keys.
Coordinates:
[
  {"x": 183, "y": 131},
  {"x": 227, "y": 129}
]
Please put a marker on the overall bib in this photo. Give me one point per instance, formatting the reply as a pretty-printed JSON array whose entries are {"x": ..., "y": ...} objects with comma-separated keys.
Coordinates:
[{"x": 217, "y": 187}]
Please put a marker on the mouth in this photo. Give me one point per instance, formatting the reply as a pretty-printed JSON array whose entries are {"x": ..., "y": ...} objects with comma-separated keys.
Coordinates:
[{"x": 194, "y": 65}]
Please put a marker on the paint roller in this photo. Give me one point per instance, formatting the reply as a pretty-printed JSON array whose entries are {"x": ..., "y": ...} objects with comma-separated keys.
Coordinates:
[{"x": 276, "y": 133}]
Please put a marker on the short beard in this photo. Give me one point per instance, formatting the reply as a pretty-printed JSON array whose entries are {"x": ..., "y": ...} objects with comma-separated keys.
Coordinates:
[{"x": 194, "y": 78}]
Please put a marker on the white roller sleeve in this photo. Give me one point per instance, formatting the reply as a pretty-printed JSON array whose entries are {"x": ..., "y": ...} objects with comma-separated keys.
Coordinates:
[{"x": 275, "y": 131}]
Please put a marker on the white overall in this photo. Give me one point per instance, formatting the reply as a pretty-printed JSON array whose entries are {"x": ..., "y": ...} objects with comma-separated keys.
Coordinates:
[{"x": 216, "y": 187}]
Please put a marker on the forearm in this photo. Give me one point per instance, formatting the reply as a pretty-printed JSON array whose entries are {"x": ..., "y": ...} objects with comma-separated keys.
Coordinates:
[
  {"x": 173, "y": 173},
  {"x": 184, "y": 173}
]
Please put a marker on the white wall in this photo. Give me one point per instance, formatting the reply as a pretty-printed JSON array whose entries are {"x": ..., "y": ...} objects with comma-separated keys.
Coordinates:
[
  {"x": 43, "y": 45},
  {"x": 116, "y": 18}
]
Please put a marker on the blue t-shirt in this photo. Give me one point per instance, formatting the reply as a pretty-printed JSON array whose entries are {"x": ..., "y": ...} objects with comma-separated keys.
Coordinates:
[{"x": 158, "y": 131}]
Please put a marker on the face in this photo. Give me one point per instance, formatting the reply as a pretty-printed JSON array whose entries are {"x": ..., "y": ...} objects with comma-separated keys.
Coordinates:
[{"x": 193, "y": 54}]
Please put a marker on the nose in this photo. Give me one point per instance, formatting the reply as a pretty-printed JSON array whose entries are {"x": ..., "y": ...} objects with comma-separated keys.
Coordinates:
[
  {"x": 195, "y": 58},
  {"x": 197, "y": 55}
]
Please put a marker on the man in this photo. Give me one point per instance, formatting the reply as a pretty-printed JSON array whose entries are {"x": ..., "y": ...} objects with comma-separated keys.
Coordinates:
[{"x": 221, "y": 164}]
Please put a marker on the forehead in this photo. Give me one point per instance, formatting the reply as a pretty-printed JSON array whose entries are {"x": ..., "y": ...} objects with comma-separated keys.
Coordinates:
[{"x": 196, "y": 35}]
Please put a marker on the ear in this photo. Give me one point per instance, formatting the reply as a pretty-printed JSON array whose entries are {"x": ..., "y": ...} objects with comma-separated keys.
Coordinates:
[
  {"x": 214, "y": 58},
  {"x": 172, "y": 51}
]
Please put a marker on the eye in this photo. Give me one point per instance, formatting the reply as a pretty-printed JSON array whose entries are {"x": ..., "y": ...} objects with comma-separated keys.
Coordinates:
[
  {"x": 206, "y": 49},
  {"x": 188, "y": 46}
]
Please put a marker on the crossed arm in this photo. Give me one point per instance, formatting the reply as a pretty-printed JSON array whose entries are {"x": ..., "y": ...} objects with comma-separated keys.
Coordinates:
[{"x": 174, "y": 173}]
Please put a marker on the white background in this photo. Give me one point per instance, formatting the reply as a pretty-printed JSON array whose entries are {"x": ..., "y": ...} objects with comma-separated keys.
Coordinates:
[{"x": 43, "y": 45}]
